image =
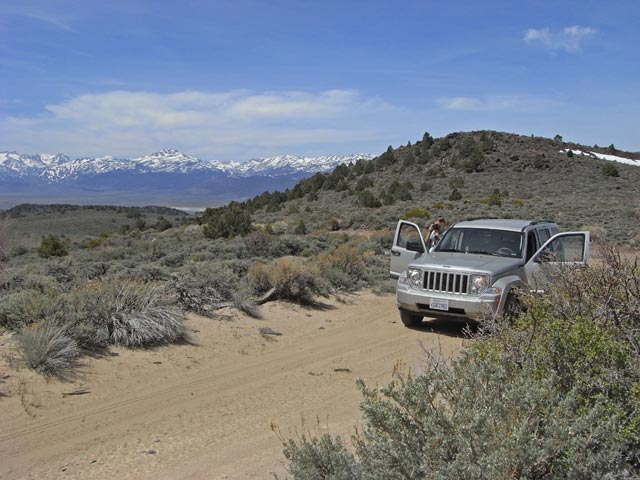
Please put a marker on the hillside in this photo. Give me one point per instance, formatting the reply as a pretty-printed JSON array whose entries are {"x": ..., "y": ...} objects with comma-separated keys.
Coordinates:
[
  {"x": 463, "y": 175},
  {"x": 29, "y": 222}
]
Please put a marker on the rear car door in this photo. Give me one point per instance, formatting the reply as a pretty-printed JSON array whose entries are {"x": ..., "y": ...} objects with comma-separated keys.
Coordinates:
[
  {"x": 563, "y": 249},
  {"x": 408, "y": 244}
]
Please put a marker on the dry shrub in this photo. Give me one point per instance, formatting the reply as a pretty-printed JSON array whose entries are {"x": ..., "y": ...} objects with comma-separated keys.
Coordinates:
[
  {"x": 344, "y": 266},
  {"x": 140, "y": 317},
  {"x": 333, "y": 224},
  {"x": 128, "y": 313},
  {"x": 290, "y": 278},
  {"x": 203, "y": 287},
  {"x": 260, "y": 277},
  {"x": 47, "y": 348},
  {"x": 150, "y": 326},
  {"x": 257, "y": 243}
]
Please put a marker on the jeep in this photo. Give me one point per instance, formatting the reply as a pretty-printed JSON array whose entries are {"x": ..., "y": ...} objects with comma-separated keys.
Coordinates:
[{"x": 478, "y": 267}]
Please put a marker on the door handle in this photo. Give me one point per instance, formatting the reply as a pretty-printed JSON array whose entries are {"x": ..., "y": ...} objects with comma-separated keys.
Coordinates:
[{"x": 395, "y": 253}]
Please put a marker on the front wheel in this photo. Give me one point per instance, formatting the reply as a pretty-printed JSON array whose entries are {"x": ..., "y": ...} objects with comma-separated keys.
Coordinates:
[
  {"x": 512, "y": 307},
  {"x": 410, "y": 319}
]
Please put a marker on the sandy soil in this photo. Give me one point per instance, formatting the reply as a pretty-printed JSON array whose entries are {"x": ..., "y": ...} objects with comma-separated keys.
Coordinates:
[{"x": 205, "y": 410}]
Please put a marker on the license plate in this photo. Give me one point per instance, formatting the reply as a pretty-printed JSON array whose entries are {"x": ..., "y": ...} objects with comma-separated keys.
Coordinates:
[{"x": 439, "y": 304}]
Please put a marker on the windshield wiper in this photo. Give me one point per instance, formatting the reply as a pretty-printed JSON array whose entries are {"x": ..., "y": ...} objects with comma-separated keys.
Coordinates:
[
  {"x": 448, "y": 250},
  {"x": 479, "y": 252}
]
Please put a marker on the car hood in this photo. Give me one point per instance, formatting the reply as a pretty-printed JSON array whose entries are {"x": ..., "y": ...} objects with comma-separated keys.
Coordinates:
[{"x": 449, "y": 261}]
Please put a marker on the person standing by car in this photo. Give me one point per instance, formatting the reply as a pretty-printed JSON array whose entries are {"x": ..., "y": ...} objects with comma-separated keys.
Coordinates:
[{"x": 434, "y": 232}]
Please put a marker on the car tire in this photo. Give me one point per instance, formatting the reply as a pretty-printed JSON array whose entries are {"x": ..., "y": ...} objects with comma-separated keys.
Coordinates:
[
  {"x": 410, "y": 319},
  {"x": 512, "y": 307}
]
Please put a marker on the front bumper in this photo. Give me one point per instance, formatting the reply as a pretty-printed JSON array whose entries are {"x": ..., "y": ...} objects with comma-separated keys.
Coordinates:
[{"x": 475, "y": 307}]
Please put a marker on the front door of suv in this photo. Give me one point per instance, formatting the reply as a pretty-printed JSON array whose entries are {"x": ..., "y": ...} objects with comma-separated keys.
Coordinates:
[
  {"x": 408, "y": 244},
  {"x": 569, "y": 249}
]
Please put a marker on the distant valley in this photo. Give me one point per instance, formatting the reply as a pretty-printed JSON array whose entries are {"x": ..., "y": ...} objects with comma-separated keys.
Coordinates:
[{"x": 168, "y": 177}]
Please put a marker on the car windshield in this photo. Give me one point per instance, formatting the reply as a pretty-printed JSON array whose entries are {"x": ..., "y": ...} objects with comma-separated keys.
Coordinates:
[{"x": 482, "y": 241}]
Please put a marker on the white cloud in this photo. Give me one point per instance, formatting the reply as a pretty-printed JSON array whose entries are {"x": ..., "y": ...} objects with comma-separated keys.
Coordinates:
[
  {"x": 568, "y": 39},
  {"x": 496, "y": 103},
  {"x": 235, "y": 124}
]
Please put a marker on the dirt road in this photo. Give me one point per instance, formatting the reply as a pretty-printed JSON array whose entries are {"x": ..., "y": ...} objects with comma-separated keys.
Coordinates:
[{"x": 205, "y": 410}]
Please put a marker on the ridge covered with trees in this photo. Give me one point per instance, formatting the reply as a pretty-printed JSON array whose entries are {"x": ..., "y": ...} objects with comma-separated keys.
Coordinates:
[{"x": 463, "y": 175}]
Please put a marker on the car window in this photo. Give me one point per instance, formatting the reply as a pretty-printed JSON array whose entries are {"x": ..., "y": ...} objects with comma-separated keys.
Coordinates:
[
  {"x": 408, "y": 234},
  {"x": 563, "y": 249},
  {"x": 532, "y": 244},
  {"x": 543, "y": 235},
  {"x": 482, "y": 241}
]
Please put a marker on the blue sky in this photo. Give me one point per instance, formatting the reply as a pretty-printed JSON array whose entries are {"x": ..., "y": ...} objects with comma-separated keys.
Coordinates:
[{"x": 231, "y": 80}]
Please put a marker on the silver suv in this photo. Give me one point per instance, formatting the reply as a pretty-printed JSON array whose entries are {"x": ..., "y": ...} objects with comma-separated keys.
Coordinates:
[{"x": 478, "y": 267}]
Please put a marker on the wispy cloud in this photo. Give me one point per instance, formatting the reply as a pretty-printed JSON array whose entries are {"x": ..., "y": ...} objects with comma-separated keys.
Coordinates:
[
  {"x": 57, "y": 21},
  {"x": 212, "y": 124},
  {"x": 37, "y": 12},
  {"x": 569, "y": 39},
  {"x": 496, "y": 103}
]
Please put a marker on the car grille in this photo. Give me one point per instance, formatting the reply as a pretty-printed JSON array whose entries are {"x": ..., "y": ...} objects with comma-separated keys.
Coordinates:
[{"x": 446, "y": 282}]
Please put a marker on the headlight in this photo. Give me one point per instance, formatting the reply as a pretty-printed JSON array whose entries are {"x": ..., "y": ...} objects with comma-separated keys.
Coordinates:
[
  {"x": 415, "y": 278},
  {"x": 479, "y": 284}
]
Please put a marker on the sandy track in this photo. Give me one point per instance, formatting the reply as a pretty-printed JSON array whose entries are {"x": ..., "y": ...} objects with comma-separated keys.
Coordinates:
[{"x": 205, "y": 410}]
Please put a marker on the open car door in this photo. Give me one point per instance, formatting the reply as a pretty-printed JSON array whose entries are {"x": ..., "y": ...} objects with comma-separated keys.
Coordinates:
[
  {"x": 561, "y": 250},
  {"x": 408, "y": 245}
]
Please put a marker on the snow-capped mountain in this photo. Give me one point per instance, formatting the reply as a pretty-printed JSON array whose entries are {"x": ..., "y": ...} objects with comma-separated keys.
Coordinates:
[
  {"x": 288, "y": 164},
  {"x": 168, "y": 177},
  {"x": 13, "y": 164},
  {"x": 60, "y": 168}
]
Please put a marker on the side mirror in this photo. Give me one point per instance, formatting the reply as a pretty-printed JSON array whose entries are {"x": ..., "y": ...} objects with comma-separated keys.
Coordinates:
[{"x": 414, "y": 246}]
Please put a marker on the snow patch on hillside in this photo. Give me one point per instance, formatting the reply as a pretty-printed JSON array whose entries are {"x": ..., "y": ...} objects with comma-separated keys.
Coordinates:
[{"x": 603, "y": 156}]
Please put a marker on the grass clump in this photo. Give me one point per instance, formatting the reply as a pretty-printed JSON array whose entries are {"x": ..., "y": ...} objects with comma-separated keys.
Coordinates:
[
  {"x": 140, "y": 317},
  {"x": 47, "y": 348},
  {"x": 89, "y": 320}
]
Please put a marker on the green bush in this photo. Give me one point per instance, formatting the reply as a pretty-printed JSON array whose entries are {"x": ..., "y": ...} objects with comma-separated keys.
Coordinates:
[
  {"x": 456, "y": 182},
  {"x": 474, "y": 420},
  {"x": 28, "y": 306},
  {"x": 418, "y": 213},
  {"x": 301, "y": 228},
  {"x": 610, "y": 170},
  {"x": 227, "y": 222},
  {"x": 162, "y": 224},
  {"x": 52, "y": 246},
  {"x": 367, "y": 199},
  {"x": 495, "y": 199},
  {"x": 455, "y": 195}
]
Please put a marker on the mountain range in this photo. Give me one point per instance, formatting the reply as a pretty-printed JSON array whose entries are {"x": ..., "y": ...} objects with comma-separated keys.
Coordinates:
[{"x": 168, "y": 177}]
